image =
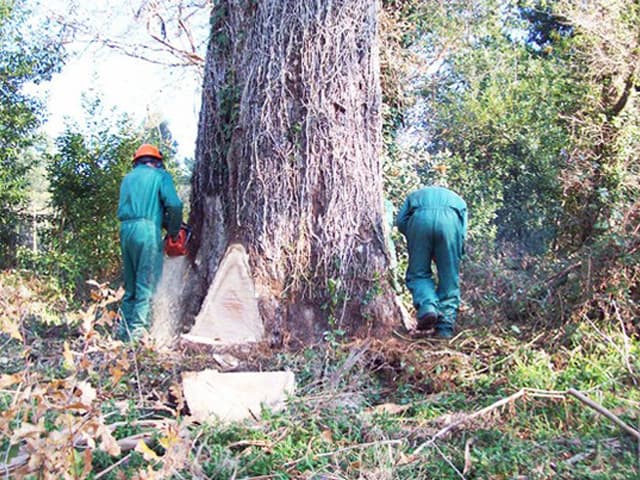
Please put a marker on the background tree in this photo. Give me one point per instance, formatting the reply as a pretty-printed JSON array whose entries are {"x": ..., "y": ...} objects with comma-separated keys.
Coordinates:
[
  {"x": 288, "y": 163},
  {"x": 531, "y": 109},
  {"x": 601, "y": 180},
  {"x": 490, "y": 113},
  {"x": 602, "y": 164},
  {"x": 28, "y": 54},
  {"x": 84, "y": 176}
]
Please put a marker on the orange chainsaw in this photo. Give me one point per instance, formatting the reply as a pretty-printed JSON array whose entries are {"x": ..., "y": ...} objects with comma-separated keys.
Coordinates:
[{"x": 177, "y": 246}]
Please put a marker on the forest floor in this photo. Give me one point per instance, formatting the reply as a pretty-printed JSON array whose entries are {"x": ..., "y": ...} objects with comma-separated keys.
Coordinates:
[{"x": 495, "y": 402}]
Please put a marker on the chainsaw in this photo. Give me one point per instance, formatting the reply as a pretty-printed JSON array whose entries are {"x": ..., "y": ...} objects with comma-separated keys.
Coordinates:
[{"x": 177, "y": 246}]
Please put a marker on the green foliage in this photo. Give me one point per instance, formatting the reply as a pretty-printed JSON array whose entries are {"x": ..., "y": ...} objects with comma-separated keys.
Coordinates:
[
  {"x": 496, "y": 109},
  {"x": 360, "y": 412},
  {"x": 28, "y": 54},
  {"x": 530, "y": 108},
  {"x": 84, "y": 177},
  {"x": 600, "y": 178}
]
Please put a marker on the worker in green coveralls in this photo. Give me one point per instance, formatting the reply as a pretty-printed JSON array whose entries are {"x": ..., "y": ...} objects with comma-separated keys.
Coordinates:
[
  {"x": 148, "y": 201},
  {"x": 434, "y": 221}
]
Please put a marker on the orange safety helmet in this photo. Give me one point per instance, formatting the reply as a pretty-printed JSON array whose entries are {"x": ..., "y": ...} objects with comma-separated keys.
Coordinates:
[{"x": 147, "y": 150}]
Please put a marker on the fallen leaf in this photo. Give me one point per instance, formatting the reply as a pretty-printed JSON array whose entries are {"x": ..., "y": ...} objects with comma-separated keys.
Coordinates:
[
  {"x": 107, "y": 442},
  {"x": 85, "y": 364},
  {"x": 87, "y": 321},
  {"x": 148, "y": 454},
  {"x": 116, "y": 374},
  {"x": 88, "y": 393},
  {"x": 170, "y": 438},
  {"x": 8, "y": 380},
  {"x": 404, "y": 459},
  {"x": 12, "y": 329},
  {"x": 327, "y": 436},
  {"x": 28, "y": 430},
  {"x": 148, "y": 474},
  {"x": 94, "y": 283},
  {"x": 88, "y": 467}
]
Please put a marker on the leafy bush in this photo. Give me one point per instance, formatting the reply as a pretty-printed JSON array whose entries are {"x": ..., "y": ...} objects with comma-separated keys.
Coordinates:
[
  {"x": 27, "y": 54},
  {"x": 84, "y": 176}
]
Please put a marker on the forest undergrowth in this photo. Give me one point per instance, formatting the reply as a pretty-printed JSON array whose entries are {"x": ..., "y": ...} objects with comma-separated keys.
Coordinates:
[{"x": 494, "y": 402}]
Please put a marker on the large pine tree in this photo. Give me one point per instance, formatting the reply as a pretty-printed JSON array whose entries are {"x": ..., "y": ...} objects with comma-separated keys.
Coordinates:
[{"x": 288, "y": 163}]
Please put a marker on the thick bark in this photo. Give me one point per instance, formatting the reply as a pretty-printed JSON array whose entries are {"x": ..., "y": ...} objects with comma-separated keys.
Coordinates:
[{"x": 288, "y": 164}]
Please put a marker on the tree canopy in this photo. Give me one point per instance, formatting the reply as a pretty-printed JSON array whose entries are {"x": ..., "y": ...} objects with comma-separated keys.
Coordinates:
[{"x": 28, "y": 54}]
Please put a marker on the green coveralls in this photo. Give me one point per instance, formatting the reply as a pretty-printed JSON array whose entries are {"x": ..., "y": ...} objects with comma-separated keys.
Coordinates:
[
  {"x": 434, "y": 221},
  {"x": 147, "y": 198}
]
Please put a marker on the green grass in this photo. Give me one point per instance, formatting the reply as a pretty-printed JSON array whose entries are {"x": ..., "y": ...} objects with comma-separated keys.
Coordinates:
[{"x": 335, "y": 428}]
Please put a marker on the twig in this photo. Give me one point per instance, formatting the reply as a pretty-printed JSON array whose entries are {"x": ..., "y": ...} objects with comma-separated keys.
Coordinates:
[
  {"x": 112, "y": 467},
  {"x": 354, "y": 356},
  {"x": 15, "y": 463},
  {"x": 578, "y": 458},
  {"x": 555, "y": 280},
  {"x": 250, "y": 443},
  {"x": 446, "y": 459},
  {"x": 346, "y": 449},
  {"x": 137, "y": 372},
  {"x": 607, "y": 413},
  {"x": 471, "y": 416},
  {"x": 467, "y": 455}
]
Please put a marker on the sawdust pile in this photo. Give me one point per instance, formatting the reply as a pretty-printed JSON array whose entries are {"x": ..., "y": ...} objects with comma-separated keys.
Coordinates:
[{"x": 167, "y": 307}]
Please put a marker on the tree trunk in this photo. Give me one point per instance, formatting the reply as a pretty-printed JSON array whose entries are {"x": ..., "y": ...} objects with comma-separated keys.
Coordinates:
[{"x": 288, "y": 164}]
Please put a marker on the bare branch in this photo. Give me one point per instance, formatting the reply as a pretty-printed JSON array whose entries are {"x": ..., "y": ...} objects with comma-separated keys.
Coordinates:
[{"x": 170, "y": 33}]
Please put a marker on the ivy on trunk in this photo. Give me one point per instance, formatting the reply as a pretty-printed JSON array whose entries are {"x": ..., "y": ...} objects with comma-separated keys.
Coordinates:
[{"x": 288, "y": 163}]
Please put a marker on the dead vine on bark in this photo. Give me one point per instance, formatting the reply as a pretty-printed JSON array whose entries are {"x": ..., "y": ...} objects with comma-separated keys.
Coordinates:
[{"x": 289, "y": 144}]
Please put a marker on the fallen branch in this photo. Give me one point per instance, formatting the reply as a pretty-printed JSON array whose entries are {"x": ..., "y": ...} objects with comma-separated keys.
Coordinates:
[
  {"x": 532, "y": 393},
  {"x": 449, "y": 462},
  {"x": 555, "y": 280},
  {"x": 600, "y": 409},
  {"x": 469, "y": 417}
]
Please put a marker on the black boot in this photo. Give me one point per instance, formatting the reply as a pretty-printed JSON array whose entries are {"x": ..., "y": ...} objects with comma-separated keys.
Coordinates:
[{"x": 427, "y": 321}]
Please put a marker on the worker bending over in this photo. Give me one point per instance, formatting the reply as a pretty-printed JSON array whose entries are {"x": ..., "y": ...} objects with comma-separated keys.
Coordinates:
[{"x": 434, "y": 221}]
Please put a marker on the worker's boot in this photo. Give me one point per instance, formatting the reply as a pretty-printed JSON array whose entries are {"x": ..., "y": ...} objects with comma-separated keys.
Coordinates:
[
  {"x": 444, "y": 327},
  {"x": 427, "y": 321},
  {"x": 444, "y": 333}
]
